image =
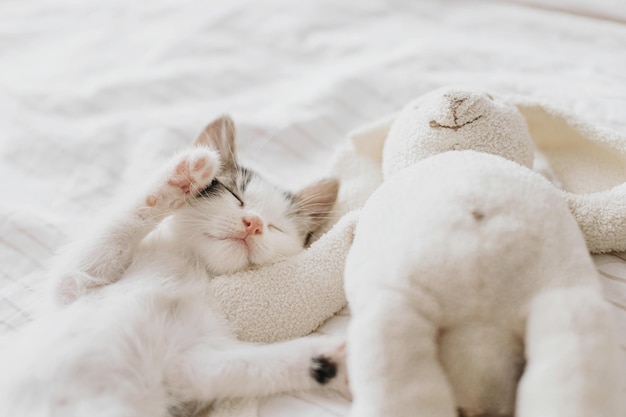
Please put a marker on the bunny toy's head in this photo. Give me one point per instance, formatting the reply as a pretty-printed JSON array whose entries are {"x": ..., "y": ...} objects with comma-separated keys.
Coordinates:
[{"x": 453, "y": 119}]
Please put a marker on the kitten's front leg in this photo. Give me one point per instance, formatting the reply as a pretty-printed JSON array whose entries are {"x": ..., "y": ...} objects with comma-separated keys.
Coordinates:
[
  {"x": 261, "y": 370},
  {"x": 102, "y": 255}
]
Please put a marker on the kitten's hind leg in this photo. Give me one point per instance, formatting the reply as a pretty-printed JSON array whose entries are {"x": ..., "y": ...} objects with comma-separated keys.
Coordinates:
[
  {"x": 260, "y": 370},
  {"x": 103, "y": 254}
]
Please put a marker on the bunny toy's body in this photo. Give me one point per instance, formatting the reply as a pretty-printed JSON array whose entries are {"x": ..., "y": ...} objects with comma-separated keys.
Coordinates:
[
  {"x": 471, "y": 288},
  {"x": 468, "y": 285}
]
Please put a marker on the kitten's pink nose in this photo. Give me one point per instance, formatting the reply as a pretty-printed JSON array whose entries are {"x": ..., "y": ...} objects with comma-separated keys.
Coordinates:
[{"x": 253, "y": 224}]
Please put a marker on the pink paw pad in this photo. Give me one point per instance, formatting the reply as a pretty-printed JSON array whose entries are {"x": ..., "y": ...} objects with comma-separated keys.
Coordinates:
[
  {"x": 194, "y": 173},
  {"x": 191, "y": 173}
]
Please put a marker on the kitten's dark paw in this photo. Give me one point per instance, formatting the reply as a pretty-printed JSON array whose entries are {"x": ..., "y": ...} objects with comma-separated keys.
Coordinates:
[
  {"x": 328, "y": 367},
  {"x": 322, "y": 369}
]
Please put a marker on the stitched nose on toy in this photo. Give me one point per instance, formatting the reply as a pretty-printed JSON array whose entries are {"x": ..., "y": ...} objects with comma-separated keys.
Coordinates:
[
  {"x": 456, "y": 112},
  {"x": 253, "y": 225}
]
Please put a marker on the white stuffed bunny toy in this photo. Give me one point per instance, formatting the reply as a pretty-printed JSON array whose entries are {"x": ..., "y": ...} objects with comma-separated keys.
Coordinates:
[{"x": 470, "y": 284}]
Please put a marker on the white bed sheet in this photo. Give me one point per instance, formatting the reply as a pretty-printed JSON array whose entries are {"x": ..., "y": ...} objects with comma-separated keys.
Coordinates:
[{"x": 95, "y": 94}]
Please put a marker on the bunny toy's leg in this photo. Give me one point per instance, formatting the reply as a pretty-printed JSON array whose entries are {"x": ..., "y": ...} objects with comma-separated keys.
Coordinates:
[
  {"x": 572, "y": 357},
  {"x": 393, "y": 362}
]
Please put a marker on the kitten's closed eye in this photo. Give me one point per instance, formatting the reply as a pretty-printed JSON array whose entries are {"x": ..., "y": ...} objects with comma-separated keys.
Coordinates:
[
  {"x": 239, "y": 199},
  {"x": 217, "y": 185}
]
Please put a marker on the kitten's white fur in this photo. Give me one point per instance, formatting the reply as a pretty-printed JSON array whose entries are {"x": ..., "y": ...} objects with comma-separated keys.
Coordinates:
[{"x": 140, "y": 335}]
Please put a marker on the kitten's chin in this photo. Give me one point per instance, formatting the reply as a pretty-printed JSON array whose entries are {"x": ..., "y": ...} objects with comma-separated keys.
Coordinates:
[
  {"x": 223, "y": 256},
  {"x": 229, "y": 255}
]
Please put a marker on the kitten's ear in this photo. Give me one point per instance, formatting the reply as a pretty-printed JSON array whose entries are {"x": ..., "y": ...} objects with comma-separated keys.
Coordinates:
[
  {"x": 316, "y": 201},
  {"x": 220, "y": 135}
]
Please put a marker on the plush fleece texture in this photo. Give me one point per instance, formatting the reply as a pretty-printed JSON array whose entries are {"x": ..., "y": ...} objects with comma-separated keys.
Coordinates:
[{"x": 466, "y": 265}]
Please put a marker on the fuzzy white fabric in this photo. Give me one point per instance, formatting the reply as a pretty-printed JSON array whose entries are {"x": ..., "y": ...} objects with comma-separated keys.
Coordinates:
[
  {"x": 590, "y": 163},
  {"x": 473, "y": 261},
  {"x": 463, "y": 266}
]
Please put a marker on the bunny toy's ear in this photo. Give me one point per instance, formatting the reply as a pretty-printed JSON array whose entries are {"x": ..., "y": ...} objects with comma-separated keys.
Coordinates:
[
  {"x": 589, "y": 162},
  {"x": 370, "y": 139}
]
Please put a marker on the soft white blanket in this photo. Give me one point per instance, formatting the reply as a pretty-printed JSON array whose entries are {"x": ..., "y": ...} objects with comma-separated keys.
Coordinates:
[{"x": 93, "y": 94}]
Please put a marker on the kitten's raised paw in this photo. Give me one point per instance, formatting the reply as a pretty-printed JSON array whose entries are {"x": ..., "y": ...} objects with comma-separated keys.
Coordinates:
[
  {"x": 329, "y": 369},
  {"x": 188, "y": 174}
]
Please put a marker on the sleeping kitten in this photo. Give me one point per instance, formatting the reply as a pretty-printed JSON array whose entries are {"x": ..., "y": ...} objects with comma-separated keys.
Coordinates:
[{"x": 140, "y": 335}]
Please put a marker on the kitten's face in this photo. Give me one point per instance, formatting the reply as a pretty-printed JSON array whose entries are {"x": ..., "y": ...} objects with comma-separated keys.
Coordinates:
[{"x": 241, "y": 220}]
